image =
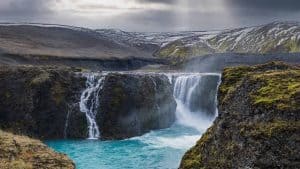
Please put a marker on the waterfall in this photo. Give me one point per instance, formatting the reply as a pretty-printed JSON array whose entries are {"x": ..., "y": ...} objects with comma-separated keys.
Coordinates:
[
  {"x": 89, "y": 102},
  {"x": 196, "y": 97},
  {"x": 67, "y": 124},
  {"x": 185, "y": 86}
]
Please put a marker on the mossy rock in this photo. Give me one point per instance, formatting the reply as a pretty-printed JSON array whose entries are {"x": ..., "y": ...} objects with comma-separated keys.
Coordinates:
[
  {"x": 21, "y": 152},
  {"x": 258, "y": 124},
  {"x": 33, "y": 96}
]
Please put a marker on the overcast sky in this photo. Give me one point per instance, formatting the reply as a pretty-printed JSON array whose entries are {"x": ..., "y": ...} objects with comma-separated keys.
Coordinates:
[{"x": 151, "y": 15}]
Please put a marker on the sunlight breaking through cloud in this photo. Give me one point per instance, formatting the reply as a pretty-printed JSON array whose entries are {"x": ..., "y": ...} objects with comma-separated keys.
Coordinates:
[{"x": 151, "y": 15}]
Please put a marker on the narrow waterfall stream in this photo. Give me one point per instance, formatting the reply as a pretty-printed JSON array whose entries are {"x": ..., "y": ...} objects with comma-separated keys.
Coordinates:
[
  {"x": 89, "y": 103},
  {"x": 195, "y": 94}
]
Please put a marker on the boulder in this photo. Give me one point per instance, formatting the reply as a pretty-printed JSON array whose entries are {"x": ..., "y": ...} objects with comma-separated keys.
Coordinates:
[{"x": 21, "y": 152}]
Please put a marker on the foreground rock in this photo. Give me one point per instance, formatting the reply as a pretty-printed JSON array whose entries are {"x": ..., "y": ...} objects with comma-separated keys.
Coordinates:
[
  {"x": 258, "y": 125},
  {"x": 20, "y": 152},
  {"x": 35, "y": 101},
  {"x": 133, "y": 104}
]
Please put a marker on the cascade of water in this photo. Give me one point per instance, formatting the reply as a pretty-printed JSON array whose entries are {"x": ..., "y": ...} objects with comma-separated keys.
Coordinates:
[
  {"x": 89, "y": 102},
  {"x": 185, "y": 86},
  {"x": 67, "y": 124}
]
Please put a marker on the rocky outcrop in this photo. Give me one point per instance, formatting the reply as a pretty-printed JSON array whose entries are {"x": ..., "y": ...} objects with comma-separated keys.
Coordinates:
[
  {"x": 35, "y": 101},
  {"x": 133, "y": 104},
  {"x": 258, "y": 124},
  {"x": 20, "y": 152}
]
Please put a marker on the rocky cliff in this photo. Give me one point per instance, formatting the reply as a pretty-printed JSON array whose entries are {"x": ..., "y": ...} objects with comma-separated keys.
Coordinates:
[
  {"x": 133, "y": 104},
  {"x": 258, "y": 124},
  {"x": 44, "y": 102},
  {"x": 35, "y": 100},
  {"x": 20, "y": 152}
]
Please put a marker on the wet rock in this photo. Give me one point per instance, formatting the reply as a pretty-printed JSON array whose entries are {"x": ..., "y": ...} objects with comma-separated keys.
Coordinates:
[
  {"x": 133, "y": 104},
  {"x": 35, "y": 101}
]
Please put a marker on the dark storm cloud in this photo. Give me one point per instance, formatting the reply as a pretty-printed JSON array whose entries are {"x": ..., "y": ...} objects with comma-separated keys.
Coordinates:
[
  {"x": 271, "y": 5},
  {"x": 254, "y": 12},
  {"x": 158, "y": 1},
  {"x": 24, "y": 8}
]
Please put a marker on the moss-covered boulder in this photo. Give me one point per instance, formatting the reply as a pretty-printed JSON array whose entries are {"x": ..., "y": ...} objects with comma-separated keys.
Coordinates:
[
  {"x": 35, "y": 101},
  {"x": 133, "y": 104},
  {"x": 21, "y": 152},
  {"x": 258, "y": 125}
]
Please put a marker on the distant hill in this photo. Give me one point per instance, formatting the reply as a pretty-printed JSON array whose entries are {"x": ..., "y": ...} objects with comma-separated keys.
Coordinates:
[
  {"x": 149, "y": 41},
  {"x": 62, "y": 41},
  {"x": 23, "y": 43},
  {"x": 276, "y": 37}
]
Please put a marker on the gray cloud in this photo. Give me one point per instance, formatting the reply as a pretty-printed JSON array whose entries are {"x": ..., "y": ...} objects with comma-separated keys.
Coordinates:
[
  {"x": 198, "y": 14},
  {"x": 158, "y": 1},
  {"x": 274, "y": 5},
  {"x": 24, "y": 8}
]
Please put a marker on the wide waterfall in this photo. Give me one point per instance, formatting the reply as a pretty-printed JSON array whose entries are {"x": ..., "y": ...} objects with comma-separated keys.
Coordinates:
[
  {"x": 196, "y": 97},
  {"x": 195, "y": 94},
  {"x": 89, "y": 102}
]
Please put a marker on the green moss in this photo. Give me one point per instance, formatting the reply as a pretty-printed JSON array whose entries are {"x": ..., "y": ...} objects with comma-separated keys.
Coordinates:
[
  {"x": 193, "y": 158},
  {"x": 279, "y": 88},
  {"x": 118, "y": 98},
  {"x": 279, "y": 83},
  {"x": 41, "y": 78},
  {"x": 269, "y": 46},
  {"x": 7, "y": 94},
  {"x": 293, "y": 46},
  {"x": 58, "y": 93},
  {"x": 269, "y": 129},
  {"x": 231, "y": 79}
]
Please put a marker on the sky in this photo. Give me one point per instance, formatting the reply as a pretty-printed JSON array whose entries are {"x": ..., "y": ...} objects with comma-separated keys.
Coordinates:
[{"x": 151, "y": 15}]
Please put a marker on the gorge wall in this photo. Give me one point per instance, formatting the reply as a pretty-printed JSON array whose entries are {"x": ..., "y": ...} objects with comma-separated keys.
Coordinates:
[
  {"x": 59, "y": 102},
  {"x": 35, "y": 100},
  {"x": 258, "y": 123},
  {"x": 136, "y": 103}
]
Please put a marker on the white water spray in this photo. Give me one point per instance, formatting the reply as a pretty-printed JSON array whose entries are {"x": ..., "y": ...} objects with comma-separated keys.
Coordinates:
[
  {"x": 185, "y": 85},
  {"x": 89, "y": 103}
]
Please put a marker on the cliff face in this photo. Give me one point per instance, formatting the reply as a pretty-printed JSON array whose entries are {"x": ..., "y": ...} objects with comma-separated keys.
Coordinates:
[
  {"x": 35, "y": 100},
  {"x": 133, "y": 104},
  {"x": 258, "y": 124},
  {"x": 43, "y": 102},
  {"x": 20, "y": 152}
]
